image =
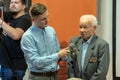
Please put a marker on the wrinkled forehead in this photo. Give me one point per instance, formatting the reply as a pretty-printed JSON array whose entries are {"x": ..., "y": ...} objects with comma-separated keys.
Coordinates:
[
  {"x": 15, "y": 1},
  {"x": 85, "y": 21}
]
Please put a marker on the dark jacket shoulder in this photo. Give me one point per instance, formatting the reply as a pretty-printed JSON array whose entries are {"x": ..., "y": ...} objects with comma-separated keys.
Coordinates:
[{"x": 74, "y": 39}]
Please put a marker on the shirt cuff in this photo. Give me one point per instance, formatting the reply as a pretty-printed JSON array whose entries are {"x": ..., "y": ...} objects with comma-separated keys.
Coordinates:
[{"x": 55, "y": 57}]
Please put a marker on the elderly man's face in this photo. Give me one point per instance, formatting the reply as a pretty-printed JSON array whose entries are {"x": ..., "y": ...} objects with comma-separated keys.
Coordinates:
[{"x": 86, "y": 29}]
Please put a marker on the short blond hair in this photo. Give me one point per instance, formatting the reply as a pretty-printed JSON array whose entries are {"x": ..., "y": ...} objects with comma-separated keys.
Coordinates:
[{"x": 37, "y": 9}]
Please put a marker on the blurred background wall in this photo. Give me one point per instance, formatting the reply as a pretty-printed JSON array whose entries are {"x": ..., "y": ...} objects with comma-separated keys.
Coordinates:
[{"x": 64, "y": 17}]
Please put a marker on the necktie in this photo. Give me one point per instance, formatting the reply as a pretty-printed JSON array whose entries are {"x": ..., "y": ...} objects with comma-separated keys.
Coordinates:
[{"x": 45, "y": 39}]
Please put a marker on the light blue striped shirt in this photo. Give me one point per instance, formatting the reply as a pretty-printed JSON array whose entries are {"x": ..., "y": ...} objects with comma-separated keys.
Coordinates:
[{"x": 40, "y": 47}]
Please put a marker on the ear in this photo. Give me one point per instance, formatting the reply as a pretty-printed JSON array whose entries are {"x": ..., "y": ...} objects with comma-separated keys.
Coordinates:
[
  {"x": 32, "y": 19},
  {"x": 95, "y": 27},
  {"x": 24, "y": 7}
]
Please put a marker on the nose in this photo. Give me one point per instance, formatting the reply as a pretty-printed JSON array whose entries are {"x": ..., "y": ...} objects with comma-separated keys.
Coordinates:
[{"x": 81, "y": 29}]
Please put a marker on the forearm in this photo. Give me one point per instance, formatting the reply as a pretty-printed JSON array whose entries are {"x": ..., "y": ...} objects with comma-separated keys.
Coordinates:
[
  {"x": 42, "y": 61},
  {"x": 14, "y": 33}
]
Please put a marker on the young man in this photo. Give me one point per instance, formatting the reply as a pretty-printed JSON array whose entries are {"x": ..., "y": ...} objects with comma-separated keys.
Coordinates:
[
  {"x": 40, "y": 46},
  {"x": 15, "y": 23},
  {"x": 91, "y": 60}
]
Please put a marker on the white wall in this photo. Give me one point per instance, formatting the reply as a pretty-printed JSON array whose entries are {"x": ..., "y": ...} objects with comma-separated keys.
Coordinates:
[
  {"x": 118, "y": 40},
  {"x": 105, "y": 28}
]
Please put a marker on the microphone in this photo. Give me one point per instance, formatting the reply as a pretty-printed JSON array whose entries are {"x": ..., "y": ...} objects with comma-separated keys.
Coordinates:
[
  {"x": 1, "y": 3},
  {"x": 73, "y": 49}
]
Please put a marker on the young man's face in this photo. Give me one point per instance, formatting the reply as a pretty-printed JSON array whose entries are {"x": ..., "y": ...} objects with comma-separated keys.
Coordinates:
[
  {"x": 41, "y": 20},
  {"x": 16, "y": 6}
]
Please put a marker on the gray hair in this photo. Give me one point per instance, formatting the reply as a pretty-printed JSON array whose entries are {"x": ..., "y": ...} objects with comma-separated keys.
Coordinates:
[{"x": 89, "y": 17}]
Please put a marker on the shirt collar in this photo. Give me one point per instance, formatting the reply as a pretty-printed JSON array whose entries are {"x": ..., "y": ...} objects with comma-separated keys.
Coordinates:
[
  {"x": 37, "y": 28},
  {"x": 88, "y": 41}
]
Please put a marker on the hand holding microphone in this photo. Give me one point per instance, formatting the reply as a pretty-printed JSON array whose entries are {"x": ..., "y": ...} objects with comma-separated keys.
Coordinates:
[
  {"x": 70, "y": 50},
  {"x": 64, "y": 52}
]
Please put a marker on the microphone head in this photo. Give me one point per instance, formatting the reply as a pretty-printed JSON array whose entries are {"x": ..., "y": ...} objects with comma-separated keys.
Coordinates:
[
  {"x": 1, "y": 3},
  {"x": 72, "y": 47}
]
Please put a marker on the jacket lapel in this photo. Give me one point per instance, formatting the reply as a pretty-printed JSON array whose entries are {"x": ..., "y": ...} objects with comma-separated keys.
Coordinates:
[
  {"x": 89, "y": 52},
  {"x": 79, "y": 56}
]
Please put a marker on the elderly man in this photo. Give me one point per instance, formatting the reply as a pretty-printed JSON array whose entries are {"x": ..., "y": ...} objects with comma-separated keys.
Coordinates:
[{"x": 91, "y": 60}]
